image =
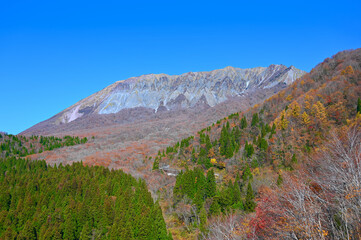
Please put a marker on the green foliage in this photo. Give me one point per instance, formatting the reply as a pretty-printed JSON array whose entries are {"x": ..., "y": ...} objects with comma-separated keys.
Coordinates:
[
  {"x": 243, "y": 122},
  {"x": 38, "y": 201},
  {"x": 156, "y": 163},
  {"x": 255, "y": 119},
  {"x": 248, "y": 149},
  {"x": 211, "y": 184},
  {"x": 202, "y": 219},
  {"x": 279, "y": 180},
  {"x": 249, "y": 204},
  {"x": 358, "y": 109},
  {"x": 21, "y": 146}
]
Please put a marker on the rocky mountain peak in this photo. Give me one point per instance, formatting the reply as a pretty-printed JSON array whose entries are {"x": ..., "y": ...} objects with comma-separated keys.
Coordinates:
[{"x": 171, "y": 92}]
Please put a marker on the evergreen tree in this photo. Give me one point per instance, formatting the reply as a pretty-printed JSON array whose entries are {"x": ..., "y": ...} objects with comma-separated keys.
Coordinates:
[
  {"x": 211, "y": 184},
  {"x": 159, "y": 229},
  {"x": 28, "y": 232},
  {"x": 85, "y": 232},
  {"x": 255, "y": 119},
  {"x": 294, "y": 159},
  {"x": 236, "y": 193},
  {"x": 249, "y": 204},
  {"x": 358, "y": 105},
  {"x": 208, "y": 143},
  {"x": 279, "y": 180},
  {"x": 215, "y": 209},
  {"x": 156, "y": 163},
  {"x": 202, "y": 219},
  {"x": 243, "y": 122}
]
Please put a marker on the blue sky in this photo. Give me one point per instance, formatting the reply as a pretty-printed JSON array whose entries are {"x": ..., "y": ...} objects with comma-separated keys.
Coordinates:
[{"x": 55, "y": 53}]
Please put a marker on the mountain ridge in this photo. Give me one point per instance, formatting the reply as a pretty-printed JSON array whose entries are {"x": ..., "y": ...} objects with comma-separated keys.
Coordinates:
[{"x": 174, "y": 92}]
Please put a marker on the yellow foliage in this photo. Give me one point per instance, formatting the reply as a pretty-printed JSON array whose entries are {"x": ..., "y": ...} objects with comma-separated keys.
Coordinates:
[
  {"x": 289, "y": 97},
  {"x": 348, "y": 70},
  {"x": 306, "y": 118},
  {"x": 319, "y": 111},
  {"x": 213, "y": 161},
  {"x": 308, "y": 101},
  {"x": 282, "y": 122},
  {"x": 295, "y": 109}
]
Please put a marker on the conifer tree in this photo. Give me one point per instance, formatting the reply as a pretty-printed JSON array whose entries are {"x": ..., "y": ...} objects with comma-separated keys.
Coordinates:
[
  {"x": 279, "y": 180},
  {"x": 215, "y": 209},
  {"x": 249, "y": 204},
  {"x": 294, "y": 159},
  {"x": 202, "y": 219},
  {"x": 156, "y": 163},
  {"x": 236, "y": 193},
  {"x": 255, "y": 119},
  {"x": 359, "y": 105},
  {"x": 86, "y": 232},
  {"x": 211, "y": 184},
  {"x": 243, "y": 122}
]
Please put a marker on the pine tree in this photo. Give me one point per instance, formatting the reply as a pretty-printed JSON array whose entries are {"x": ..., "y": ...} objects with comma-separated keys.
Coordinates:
[
  {"x": 243, "y": 122},
  {"x": 202, "y": 219},
  {"x": 236, "y": 193},
  {"x": 156, "y": 163},
  {"x": 211, "y": 184},
  {"x": 279, "y": 180},
  {"x": 215, "y": 209},
  {"x": 255, "y": 119},
  {"x": 208, "y": 143},
  {"x": 28, "y": 232},
  {"x": 85, "y": 232},
  {"x": 359, "y": 105},
  {"x": 159, "y": 229},
  {"x": 249, "y": 204},
  {"x": 294, "y": 159}
]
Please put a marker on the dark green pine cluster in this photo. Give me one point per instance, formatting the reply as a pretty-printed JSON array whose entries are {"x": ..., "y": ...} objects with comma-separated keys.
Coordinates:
[
  {"x": 205, "y": 195},
  {"x": 38, "y": 201},
  {"x": 17, "y": 145}
]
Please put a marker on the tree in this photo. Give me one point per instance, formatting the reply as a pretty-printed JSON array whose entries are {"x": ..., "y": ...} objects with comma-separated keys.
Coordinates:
[
  {"x": 306, "y": 119},
  {"x": 255, "y": 119},
  {"x": 211, "y": 184},
  {"x": 156, "y": 163},
  {"x": 359, "y": 105},
  {"x": 279, "y": 180},
  {"x": 243, "y": 122},
  {"x": 215, "y": 209},
  {"x": 249, "y": 204},
  {"x": 85, "y": 232},
  {"x": 202, "y": 219},
  {"x": 28, "y": 232}
]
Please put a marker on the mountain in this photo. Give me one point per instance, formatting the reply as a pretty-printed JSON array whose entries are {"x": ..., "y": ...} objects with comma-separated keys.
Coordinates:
[
  {"x": 137, "y": 98},
  {"x": 293, "y": 160}
]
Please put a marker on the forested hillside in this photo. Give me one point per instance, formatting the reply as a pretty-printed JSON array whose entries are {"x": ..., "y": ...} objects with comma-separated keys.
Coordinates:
[
  {"x": 260, "y": 156},
  {"x": 18, "y": 145},
  {"x": 38, "y": 201}
]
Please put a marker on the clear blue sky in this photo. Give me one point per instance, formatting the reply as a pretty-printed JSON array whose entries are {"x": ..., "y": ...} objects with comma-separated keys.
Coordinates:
[{"x": 55, "y": 53}]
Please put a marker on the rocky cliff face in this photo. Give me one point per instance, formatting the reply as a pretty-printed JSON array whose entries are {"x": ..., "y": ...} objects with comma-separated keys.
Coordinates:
[{"x": 162, "y": 92}]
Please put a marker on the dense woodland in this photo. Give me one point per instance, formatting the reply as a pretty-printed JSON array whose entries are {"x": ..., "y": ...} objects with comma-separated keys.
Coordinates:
[
  {"x": 21, "y": 146},
  {"x": 263, "y": 155},
  {"x": 38, "y": 201}
]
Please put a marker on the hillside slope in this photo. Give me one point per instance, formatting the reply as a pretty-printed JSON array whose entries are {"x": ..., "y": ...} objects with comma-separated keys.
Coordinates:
[{"x": 260, "y": 148}]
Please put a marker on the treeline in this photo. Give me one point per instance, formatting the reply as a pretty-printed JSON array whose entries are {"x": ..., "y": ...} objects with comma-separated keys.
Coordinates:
[
  {"x": 20, "y": 146},
  {"x": 38, "y": 201}
]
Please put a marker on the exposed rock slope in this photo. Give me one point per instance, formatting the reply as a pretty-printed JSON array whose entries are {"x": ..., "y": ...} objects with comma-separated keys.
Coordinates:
[{"x": 154, "y": 93}]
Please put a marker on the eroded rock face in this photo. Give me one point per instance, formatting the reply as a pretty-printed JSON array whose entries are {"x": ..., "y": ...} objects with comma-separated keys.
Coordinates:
[{"x": 170, "y": 92}]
